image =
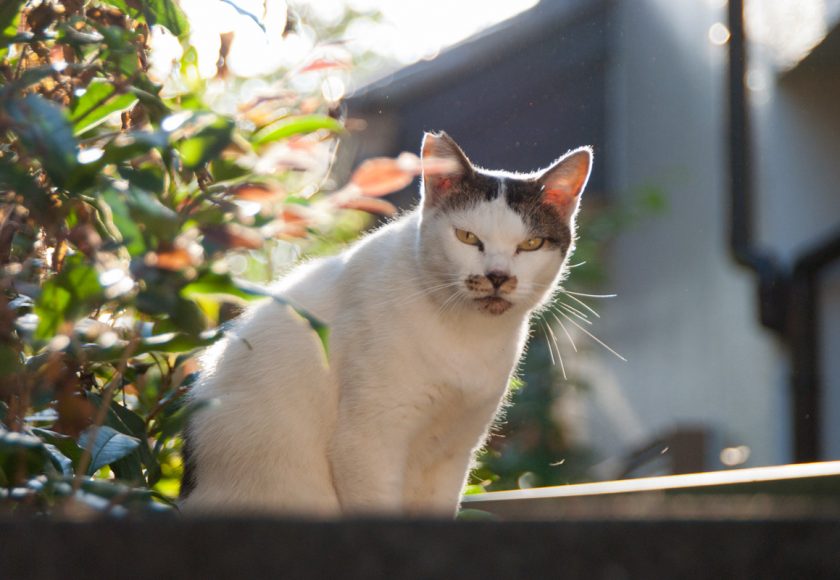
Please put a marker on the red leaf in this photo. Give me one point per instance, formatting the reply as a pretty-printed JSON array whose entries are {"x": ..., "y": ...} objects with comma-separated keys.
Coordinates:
[
  {"x": 232, "y": 236},
  {"x": 381, "y": 176},
  {"x": 323, "y": 63}
]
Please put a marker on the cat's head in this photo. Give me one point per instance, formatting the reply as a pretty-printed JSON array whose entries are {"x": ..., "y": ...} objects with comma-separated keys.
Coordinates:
[{"x": 491, "y": 241}]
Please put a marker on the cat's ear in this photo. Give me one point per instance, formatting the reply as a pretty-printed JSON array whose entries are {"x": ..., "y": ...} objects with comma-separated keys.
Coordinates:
[
  {"x": 564, "y": 181},
  {"x": 444, "y": 166}
]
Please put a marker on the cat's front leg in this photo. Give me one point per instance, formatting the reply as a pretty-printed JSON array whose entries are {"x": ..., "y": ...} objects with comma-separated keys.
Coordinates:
[{"x": 368, "y": 454}]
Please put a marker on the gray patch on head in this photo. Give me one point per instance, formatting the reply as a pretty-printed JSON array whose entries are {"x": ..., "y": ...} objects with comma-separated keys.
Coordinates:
[
  {"x": 471, "y": 190},
  {"x": 523, "y": 196}
]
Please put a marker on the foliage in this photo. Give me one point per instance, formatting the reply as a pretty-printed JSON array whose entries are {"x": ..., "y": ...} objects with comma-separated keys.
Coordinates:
[{"x": 124, "y": 199}]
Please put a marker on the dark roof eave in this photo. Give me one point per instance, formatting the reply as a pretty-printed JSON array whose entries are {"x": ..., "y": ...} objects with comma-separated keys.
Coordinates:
[{"x": 472, "y": 55}]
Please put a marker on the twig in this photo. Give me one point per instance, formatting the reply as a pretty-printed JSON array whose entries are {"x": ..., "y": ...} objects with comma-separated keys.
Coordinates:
[{"x": 102, "y": 412}]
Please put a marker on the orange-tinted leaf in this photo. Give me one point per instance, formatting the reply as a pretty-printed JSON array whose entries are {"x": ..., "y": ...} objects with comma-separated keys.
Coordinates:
[
  {"x": 370, "y": 205},
  {"x": 174, "y": 260},
  {"x": 253, "y": 192},
  {"x": 380, "y": 176}
]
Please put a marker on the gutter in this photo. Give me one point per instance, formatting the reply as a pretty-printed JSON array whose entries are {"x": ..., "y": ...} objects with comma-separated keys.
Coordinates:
[{"x": 788, "y": 298}]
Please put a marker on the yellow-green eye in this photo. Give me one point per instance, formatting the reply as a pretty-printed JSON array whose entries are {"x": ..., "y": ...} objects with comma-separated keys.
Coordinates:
[
  {"x": 466, "y": 237},
  {"x": 531, "y": 244}
]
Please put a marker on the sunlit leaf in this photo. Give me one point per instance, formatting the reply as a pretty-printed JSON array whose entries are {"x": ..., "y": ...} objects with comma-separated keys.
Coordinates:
[
  {"x": 213, "y": 283},
  {"x": 9, "y": 18},
  {"x": 296, "y": 126},
  {"x": 120, "y": 214},
  {"x": 67, "y": 296},
  {"x": 207, "y": 144},
  {"x": 98, "y": 102},
  {"x": 163, "y": 12},
  {"x": 322, "y": 330}
]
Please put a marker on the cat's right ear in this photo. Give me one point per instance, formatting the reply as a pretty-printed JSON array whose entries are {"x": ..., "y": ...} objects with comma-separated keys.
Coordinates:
[{"x": 444, "y": 167}]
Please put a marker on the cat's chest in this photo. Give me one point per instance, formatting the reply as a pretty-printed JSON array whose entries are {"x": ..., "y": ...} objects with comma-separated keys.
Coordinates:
[{"x": 472, "y": 362}]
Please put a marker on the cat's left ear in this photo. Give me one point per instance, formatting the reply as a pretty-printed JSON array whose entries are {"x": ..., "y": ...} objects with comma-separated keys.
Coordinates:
[
  {"x": 445, "y": 167},
  {"x": 564, "y": 181}
]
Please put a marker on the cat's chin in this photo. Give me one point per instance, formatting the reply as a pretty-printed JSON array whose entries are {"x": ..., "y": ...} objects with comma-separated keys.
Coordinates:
[{"x": 493, "y": 305}]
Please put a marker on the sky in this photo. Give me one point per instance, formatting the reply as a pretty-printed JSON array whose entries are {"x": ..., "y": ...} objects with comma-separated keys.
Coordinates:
[{"x": 406, "y": 31}]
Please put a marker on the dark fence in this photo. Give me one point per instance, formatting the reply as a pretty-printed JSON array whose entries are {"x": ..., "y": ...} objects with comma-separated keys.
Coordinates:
[{"x": 240, "y": 548}]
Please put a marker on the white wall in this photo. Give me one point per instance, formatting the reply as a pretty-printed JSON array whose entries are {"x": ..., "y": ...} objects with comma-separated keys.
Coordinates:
[{"x": 686, "y": 316}]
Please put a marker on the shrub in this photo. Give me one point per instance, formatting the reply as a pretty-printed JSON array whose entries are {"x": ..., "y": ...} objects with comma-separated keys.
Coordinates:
[{"x": 123, "y": 199}]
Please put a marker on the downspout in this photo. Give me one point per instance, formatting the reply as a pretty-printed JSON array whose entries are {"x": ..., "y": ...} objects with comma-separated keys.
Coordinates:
[
  {"x": 771, "y": 277},
  {"x": 788, "y": 302}
]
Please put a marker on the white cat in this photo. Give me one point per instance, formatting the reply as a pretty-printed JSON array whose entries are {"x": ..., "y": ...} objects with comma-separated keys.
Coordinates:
[{"x": 428, "y": 317}]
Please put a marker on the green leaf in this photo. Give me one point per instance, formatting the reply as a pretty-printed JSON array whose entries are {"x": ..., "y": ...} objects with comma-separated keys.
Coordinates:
[
  {"x": 9, "y": 18},
  {"x": 213, "y": 283},
  {"x": 9, "y": 361},
  {"x": 109, "y": 446},
  {"x": 207, "y": 143},
  {"x": 64, "y": 443},
  {"x": 46, "y": 134},
  {"x": 163, "y": 12},
  {"x": 174, "y": 423},
  {"x": 156, "y": 218},
  {"x": 20, "y": 456},
  {"x": 127, "y": 146},
  {"x": 148, "y": 177},
  {"x": 120, "y": 215},
  {"x": 98, "y": 102},
  {"x": 63, "y": 450},
  {"x": 67, "y": 296},
  {"x": 319, "y": 326},
  {"x": 130, "y": 423},
  {"x": 296, "y": 126}
]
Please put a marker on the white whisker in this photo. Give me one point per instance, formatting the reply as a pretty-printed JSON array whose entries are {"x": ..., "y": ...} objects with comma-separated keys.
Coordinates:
[
  {"x": 547, "y": 342},
  {"x": 589, "y": 295},
  {"x": 559, "y": 356},
  {"x": 592, "y": 336},
  {"x": 574, "y": 311},
  {"x": 581, "y": 302},
  {"x": 566, "y": 330}
]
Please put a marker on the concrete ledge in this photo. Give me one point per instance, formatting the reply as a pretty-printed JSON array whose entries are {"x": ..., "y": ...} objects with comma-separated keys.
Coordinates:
[
  {"x": 809, "y": 490},
  {"x": 240, "y": 548}
]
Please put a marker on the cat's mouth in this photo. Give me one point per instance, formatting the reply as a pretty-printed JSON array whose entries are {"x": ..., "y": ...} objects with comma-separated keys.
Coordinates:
[{"x": 493, "y": 304}]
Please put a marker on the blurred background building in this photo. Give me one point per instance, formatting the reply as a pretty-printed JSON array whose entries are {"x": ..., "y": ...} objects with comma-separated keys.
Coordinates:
[{"x": 709, "y": 379}]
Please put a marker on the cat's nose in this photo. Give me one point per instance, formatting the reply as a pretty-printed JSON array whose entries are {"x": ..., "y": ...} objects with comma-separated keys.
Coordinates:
[{"x": 497, "y": 278}]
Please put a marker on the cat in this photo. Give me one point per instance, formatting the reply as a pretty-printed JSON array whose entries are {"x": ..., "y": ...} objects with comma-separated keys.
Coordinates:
[{"x": 428, "y": 317}]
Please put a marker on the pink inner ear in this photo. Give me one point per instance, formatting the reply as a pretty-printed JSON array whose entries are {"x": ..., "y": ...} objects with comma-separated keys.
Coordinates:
[{"x": 563, "y": 198}]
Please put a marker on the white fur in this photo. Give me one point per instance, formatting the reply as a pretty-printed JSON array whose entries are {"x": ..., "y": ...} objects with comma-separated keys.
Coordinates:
[{"x": 389, "y": 422}]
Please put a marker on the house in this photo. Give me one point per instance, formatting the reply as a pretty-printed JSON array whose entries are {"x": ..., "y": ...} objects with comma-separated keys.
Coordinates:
[{"x": 747, "y": 373}]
